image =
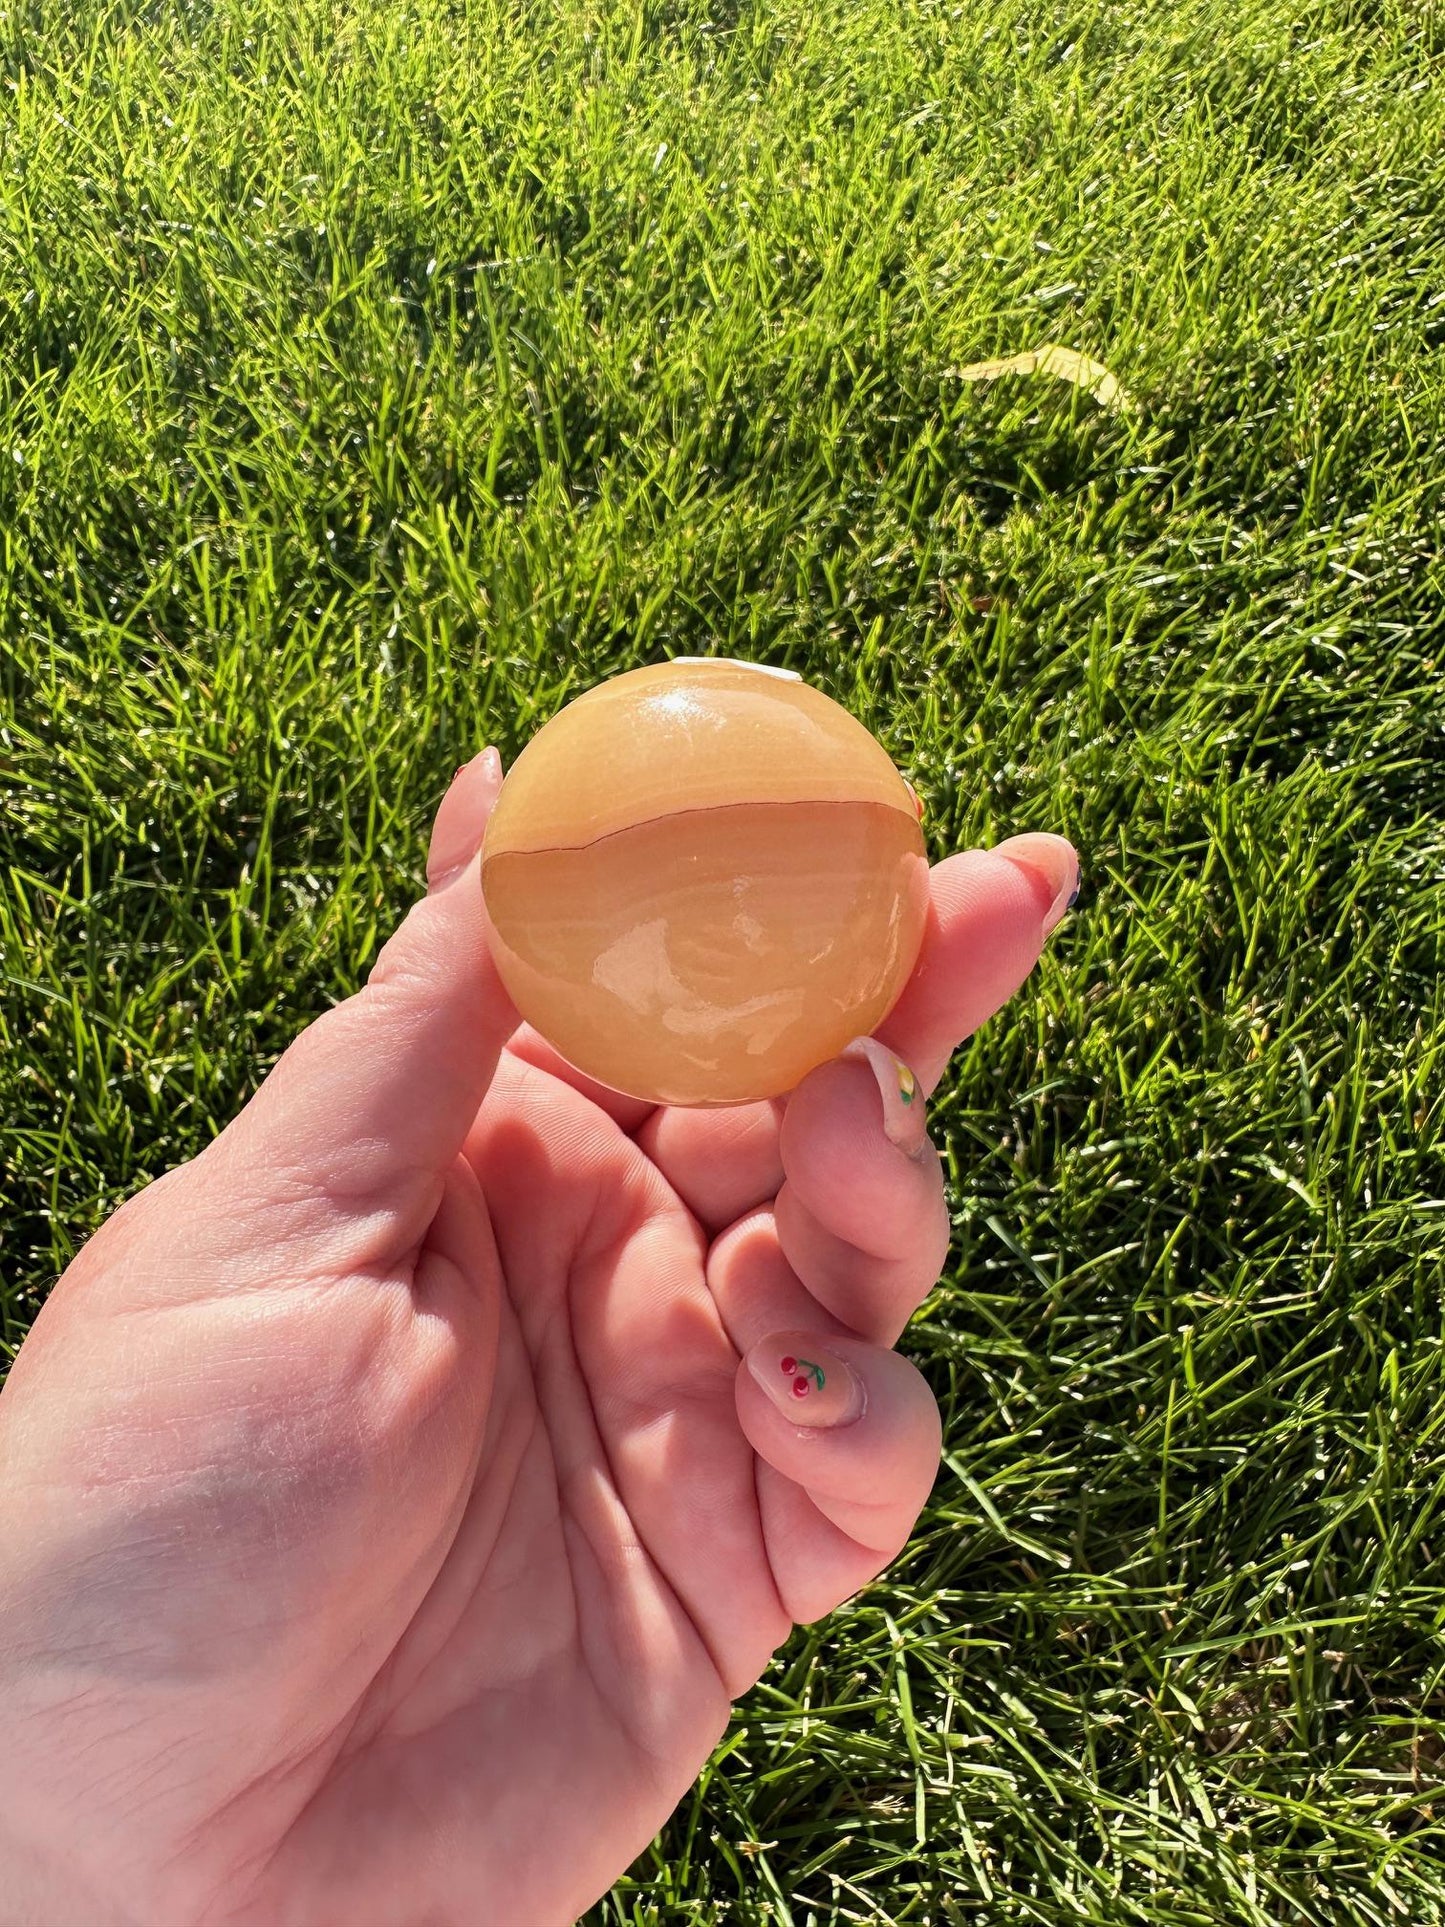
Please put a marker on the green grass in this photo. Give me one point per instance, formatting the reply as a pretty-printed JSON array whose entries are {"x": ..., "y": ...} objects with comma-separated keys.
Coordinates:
[{"x": 375, "y": 376}]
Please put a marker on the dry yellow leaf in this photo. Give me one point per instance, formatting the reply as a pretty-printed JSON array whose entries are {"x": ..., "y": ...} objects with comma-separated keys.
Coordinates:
[{"x": 1067, "y": 364}]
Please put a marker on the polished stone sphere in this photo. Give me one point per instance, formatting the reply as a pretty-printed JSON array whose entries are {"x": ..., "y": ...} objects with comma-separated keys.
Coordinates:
[{"x": 703, "y": 878}]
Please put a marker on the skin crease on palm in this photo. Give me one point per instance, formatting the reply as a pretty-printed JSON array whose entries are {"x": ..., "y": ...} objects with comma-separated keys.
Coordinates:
[{"x": 388, "y": 1512}]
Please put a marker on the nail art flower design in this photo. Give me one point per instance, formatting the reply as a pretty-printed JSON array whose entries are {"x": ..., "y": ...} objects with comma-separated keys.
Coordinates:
[
  {"x": 907, "y": 1084},
  {"x": 808, "y": 1375}
]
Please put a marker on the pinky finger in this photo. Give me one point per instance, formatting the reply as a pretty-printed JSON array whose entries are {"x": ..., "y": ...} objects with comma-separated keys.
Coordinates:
[{"x": 849, "y": 1437}]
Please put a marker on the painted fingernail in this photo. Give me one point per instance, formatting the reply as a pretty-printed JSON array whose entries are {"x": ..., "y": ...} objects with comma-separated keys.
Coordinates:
[
  {"x": 1048, "y": 860},
  {"x": 461, "y": 823},
  {"x": 904, "y": 1123},
  {"x": 809, "y": 1384}
]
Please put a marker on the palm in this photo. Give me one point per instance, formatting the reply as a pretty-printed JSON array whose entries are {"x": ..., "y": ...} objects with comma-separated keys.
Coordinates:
[
  {"x": 609, "y": 1573},
  {"x": 606, "y": 1589}
]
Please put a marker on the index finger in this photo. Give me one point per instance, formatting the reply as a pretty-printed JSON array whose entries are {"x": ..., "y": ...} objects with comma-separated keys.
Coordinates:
[{"x": 990, "y": 914}]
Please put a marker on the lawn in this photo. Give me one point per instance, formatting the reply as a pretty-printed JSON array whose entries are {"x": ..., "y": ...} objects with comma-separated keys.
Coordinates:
[{"x": 374, "y": 377}]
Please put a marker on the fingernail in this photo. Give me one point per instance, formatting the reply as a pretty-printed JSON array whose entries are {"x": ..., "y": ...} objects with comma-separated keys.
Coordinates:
[
  {"x": 461, "y": 822},
  {"x": 917, "y": 799},
  {"x": 1050, "y": 861},
  {"x": 904, "y": 1123},
  {"x": 809, "y": 1384}
]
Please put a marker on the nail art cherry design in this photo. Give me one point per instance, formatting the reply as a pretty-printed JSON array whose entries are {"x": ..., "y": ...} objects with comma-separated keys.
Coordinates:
[{"x": 806, "y": 1371}]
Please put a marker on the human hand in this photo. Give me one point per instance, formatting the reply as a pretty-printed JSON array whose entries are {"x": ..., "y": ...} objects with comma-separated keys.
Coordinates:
[{"x": 396, "y": 1495}]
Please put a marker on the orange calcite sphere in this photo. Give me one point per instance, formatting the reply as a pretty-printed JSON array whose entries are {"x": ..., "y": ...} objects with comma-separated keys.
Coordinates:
[{"x": 703, "y": 878}]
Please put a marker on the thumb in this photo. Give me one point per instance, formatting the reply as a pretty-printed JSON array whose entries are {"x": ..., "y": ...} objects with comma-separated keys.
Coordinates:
[{"x": 371, "y": 1104}]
